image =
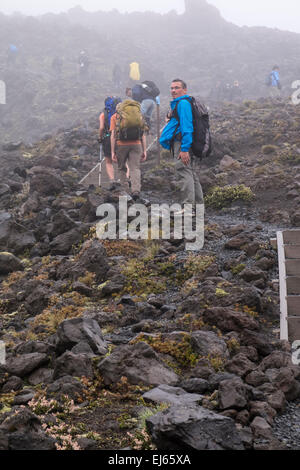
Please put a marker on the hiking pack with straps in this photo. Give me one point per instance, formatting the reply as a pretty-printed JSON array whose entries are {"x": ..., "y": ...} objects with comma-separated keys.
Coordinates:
[
  {"x": 109, "y": 110},
  {"x": 150, "y": 88},
  {"x": 147, "y": 90},
  {"x": 202, "y": 142},
  {"x": 130, "y": 121}
]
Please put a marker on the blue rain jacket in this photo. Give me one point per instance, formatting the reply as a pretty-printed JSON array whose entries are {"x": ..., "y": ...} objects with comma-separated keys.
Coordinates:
[
  {"x": 275, "y": 77},
  {"x": 186, "y": 127}
]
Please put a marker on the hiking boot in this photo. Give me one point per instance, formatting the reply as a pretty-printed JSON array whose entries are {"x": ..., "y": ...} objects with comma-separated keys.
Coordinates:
[
  {"x": 113, "y": 185},
  {"x": 136, "y": 196}
]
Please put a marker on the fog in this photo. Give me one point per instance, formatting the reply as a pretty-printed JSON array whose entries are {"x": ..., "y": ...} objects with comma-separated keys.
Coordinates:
[{"x": 274, "y": 14}]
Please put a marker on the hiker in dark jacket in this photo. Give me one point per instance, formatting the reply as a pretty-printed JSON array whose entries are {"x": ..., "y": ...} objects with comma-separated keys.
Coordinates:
[
  {"x": 143, "y": 93},
  {"x": 181, "y": 138}
]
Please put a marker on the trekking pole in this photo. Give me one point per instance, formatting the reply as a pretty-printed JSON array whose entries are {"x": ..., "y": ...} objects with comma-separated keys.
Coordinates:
[
  {"x": 158, "y": 130},
  {"x": 156, "y": 139},
  {"x": 100, "y": 163}
]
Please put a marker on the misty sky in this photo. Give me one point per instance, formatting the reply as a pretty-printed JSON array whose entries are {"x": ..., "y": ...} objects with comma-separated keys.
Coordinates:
[{"x": 272, "y": 13}]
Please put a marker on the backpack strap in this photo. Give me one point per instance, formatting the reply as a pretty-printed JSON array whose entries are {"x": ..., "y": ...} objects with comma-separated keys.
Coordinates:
[
  {"x": 176, "y": 116},
  {"x": 106, "y": 124}
]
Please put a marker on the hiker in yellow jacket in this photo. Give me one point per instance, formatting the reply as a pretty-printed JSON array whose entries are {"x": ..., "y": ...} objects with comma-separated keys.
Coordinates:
[{"x": 134, "y": 73}]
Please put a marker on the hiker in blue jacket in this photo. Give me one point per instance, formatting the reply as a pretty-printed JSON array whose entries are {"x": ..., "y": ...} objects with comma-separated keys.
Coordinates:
[
  {"x": 179, "y": 136},
  {"x": 275, "y": 82}
]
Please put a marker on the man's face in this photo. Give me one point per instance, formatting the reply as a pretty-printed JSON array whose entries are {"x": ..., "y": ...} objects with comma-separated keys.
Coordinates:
[{"x": 177, "y": 90}]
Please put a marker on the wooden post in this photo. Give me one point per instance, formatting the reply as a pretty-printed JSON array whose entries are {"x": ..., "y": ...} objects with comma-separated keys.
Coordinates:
[
  {"x": 282, "y": 285},
  {"x": 158, "y": 132}
]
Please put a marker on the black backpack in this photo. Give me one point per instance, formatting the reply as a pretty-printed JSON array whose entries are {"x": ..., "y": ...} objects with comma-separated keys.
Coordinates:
[
  {"x": 202, "y": 141},
  {"x": 150, "y": 87}
]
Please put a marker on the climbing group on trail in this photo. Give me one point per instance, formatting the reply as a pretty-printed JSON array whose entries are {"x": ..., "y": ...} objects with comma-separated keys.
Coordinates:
[{"x": 124, "y": 126}]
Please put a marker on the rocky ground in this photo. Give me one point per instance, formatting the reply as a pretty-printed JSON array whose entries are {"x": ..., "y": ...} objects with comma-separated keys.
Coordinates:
[{"x": 143, "y": 344}]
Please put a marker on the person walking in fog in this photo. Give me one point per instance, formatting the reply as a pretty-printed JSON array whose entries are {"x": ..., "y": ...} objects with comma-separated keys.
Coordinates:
[
  {"x": 178, "y": 134},
  {"x": 274, "y": 82},
  {"x": 128, "y": 144},
  {"x": 104, "y": 135}
]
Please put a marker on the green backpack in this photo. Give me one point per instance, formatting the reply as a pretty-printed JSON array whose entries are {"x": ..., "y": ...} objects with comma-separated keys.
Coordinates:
[{"x": 130, "y": 121}]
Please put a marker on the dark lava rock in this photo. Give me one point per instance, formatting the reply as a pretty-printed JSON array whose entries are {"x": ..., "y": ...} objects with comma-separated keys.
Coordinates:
[
  {"x": 232, "y": 394},
  {"x": 66, "y": 386},
  {"x": 139, "y": 363},
  {"x": 172, "y": 395},
  {"x": 23, "y": 431},
  {"x": 76, "y": 365},
  {"x": 25, "y": 364},
  {"x": 9, "y": 263},
  {"x": 193, "y": 428},
  {"x": 71, "y": 332}
]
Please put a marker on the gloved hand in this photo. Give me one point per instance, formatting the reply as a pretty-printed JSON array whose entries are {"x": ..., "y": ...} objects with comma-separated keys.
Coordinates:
[{"x": 100, "y": 140}]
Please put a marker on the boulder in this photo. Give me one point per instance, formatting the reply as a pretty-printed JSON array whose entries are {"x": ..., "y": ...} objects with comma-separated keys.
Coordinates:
[
  {"x": 46, "y": 182},
  {"x": 195, "y": 385},
  {"x": 65, "y": 386},
  {"x": 193, "y": 428},
  {"x": 92, "y": 258},
  {"x": 63, "y": 243},
  {"x": 9, "y": 263},
  {"x": 171, "y": 395},
  {"x": 75, "y": 365},
  {"x": 227, "y": 319},
  {"x": 76, "y": 330},
  {"x": 23, "y": 431},
  {"x": 25, "y": 364},
  {"x": 232, "y": 394},
  {"x": 139, "y": 363},
  {"x": 61, "y": 223},
  {"x": 14, "y": 237},
  {"x": 240, "y": 365},
  {"x": 207, "y": 343},
  {"x": 262, "y": 409},
  {"x": 228, "y": 163}
]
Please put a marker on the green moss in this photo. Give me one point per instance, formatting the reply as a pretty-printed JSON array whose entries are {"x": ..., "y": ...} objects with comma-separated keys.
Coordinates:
[
  {"x": 221, "y": 293},
  {"x": 196, "y": 264},
  {"x": 220, "y": 197},
  {"x": 181, "y": 351},
  {"x": 267, "y": 149},
  {"x": 289, "y": 158},
  {"x": 238, "y": 269}
]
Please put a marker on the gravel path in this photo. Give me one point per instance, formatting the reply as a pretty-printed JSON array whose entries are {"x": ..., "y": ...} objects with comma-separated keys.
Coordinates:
[{"x": 287, "y": 426}]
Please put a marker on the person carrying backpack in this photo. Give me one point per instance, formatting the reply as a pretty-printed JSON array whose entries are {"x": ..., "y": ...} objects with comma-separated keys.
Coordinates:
[
  {"x": 179, "y": 135},
  {"x": 273, "y": 81},
  {"x": 147, "y": 94},
  {"x": 104, "y": 135},
  {"x": 128, "y": 144}
]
